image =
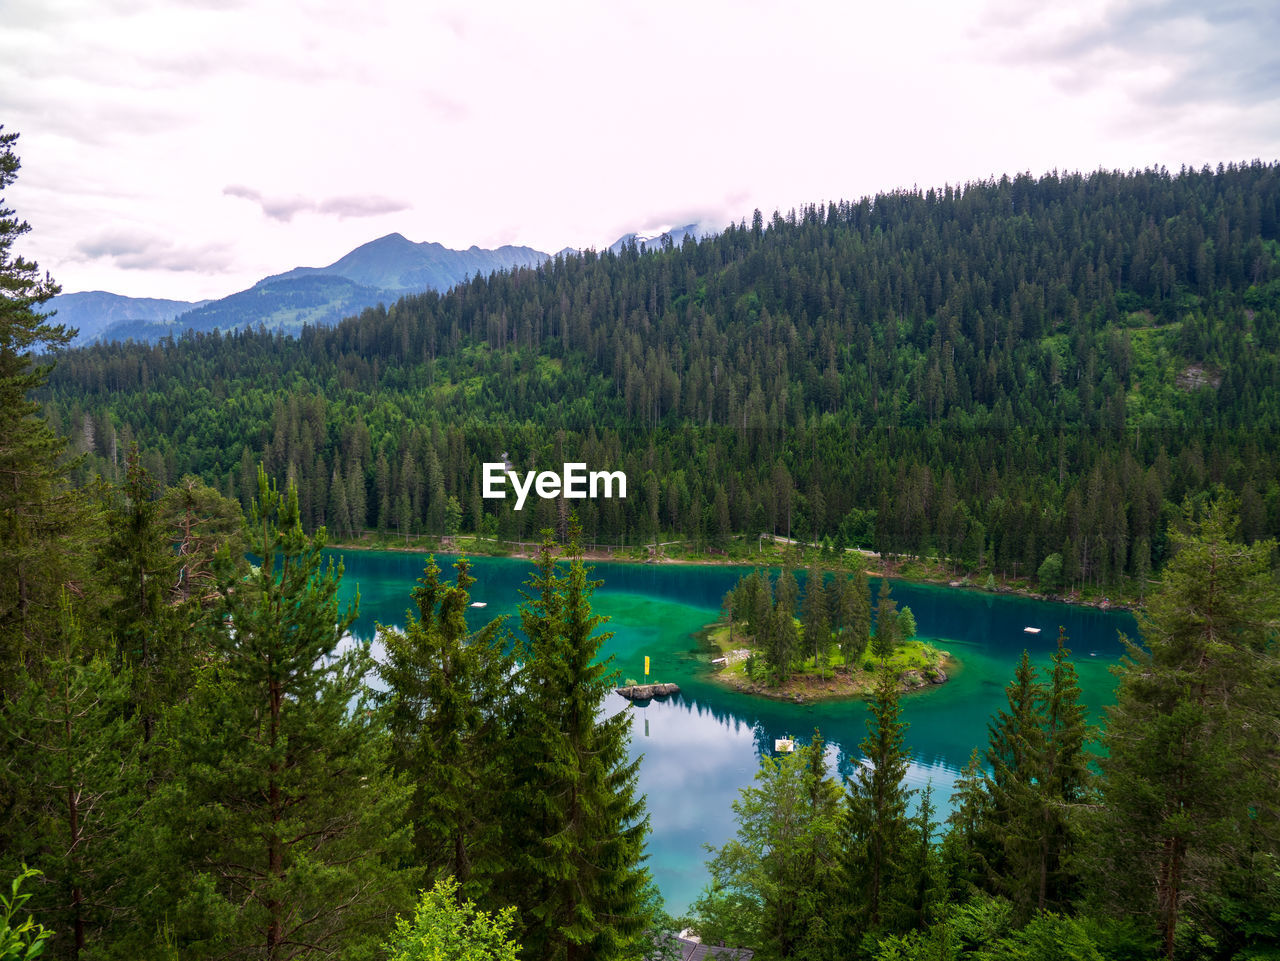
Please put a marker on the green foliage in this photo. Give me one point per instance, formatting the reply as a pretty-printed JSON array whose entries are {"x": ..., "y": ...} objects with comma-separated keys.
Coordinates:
[
  {"x": 20, "y": 940},
  {"x": 445, "y": 707},
  {"x": 1050, "y": 574},
  {"x": 854, "y": 606},
  {"x": 77, "y": 740},
  {"x": 888, "y": 633},
  {"x": 817, "y": 619},
  {"x": 38, "y": 518},
  {"x": 1000, "y": 376},
  {"x": 452, "y": 517},
  {"x": 938, "y": 330},
  {"x": 771, "y": 885},
  {"x": 279, "y": 825},
  {"x": 444, "y": 927},
  {"x": 1016, "y": 830},
  {"x": 138, "y": 558},
  {"x": 1192, "y": 781},
  {"x": 982, "y": 929},
  {"x": 769, "y": 612},
  {"x": 576, "y": 856},
  {"x": 906, "y": 624},
  {"x": 879, "y": 889}
]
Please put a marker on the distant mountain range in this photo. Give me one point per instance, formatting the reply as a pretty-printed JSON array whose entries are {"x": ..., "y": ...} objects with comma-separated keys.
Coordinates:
[
  {"x": 95, "y": 311},
  {"x": 381, "y": 271}
]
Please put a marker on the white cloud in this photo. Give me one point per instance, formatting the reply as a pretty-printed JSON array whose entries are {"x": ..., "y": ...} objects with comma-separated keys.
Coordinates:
[
  {"x": 129, "y": 249},
  {"x": 570, "y": 123},
  {"x": 284, "y": 208}
]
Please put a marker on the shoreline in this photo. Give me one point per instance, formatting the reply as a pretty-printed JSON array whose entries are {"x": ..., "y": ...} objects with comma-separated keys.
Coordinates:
[{"x": 526, "y": 550}]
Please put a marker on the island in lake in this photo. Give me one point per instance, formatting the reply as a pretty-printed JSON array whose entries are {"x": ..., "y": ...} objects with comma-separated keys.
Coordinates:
[
  {"x": 917, "y": 664},
  {"x": 829, "y": 650}
]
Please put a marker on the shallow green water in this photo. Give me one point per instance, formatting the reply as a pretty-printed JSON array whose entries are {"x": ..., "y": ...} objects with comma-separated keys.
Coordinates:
[{"x": 701, "y": 748}]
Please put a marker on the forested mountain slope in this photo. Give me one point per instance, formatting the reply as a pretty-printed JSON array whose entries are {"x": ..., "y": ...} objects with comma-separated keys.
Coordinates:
[{"x": 998, "y": 372}]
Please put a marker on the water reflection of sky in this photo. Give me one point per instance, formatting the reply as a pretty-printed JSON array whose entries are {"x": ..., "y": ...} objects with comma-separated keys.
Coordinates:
[{"x": 703, "y": 746}]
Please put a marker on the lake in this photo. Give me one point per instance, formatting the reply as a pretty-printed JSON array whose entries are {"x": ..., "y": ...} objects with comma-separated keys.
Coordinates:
[{"x": 703, "y": 746}]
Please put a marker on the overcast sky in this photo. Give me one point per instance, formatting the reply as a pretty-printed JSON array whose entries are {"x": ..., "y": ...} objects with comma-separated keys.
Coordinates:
[{"x": 186, "y": 150}]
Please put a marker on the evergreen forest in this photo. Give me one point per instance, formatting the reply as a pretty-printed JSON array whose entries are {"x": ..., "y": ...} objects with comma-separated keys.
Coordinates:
[
  {"x": 1076, "y": 375},
  {"x": 993, "y": 375}
]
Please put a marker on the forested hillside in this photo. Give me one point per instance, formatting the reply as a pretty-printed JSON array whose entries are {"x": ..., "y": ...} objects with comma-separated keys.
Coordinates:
[
  {"x": 194, "y": 764},
  {"x": 997, "y": 373}
]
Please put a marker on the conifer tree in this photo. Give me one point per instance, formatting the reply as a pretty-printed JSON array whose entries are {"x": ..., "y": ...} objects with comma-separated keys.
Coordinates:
[
  {"x": 760, "y": 609},
  {"x": 578, "y": 877},
  {"x": 1065, "y": 783},
  {"x": 1039, "y": 779},
  {"x": 1015, "y": 747},
  {"x": 46, "y": 530},
  {"x": 445, "y": 710},
  {"x": 37, "y": 516},
  {"x": 201, "y": 522},
  {"x": 76, "y": 754},
  {"x": 139, "y": 562},
  {"x": 280, "y": 834},
  {"x": 782, "y": 640},
  {"x": 923, "y": 867},
  {"x": 968, "y": 849},
  {"x": 1192, "y": 782},
  {"x": 784, "y": 643},
  {"x": 887, "y": 635},
  {"x": 773, "y": 884},
  {"x": 817, "y": 620},
  {"x": 855, "y": 616},
  {"x": 877, "y": 826}
]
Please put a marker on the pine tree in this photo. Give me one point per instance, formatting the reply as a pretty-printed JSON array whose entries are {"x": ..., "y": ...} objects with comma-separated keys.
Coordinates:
[
  {"x": 760, "y": 607},
  {"x": 201, "y": 522},
  {"x": 877, "y": 827},
  {"x": 279, "y": 834},
  {"x": 784, "y": 643},
  {"x": 1015, "y": 747},
  {"x": 887, "y": 635},
  {"x": 1064, "y": 782},
  {"x": 782, "y": 640},
  {"x": 37, "y": 516},
  {"x": 855, "y": 616},
  {"x": 817, "y": 620},
  {"x": 968, "y": 849},
  {"x": 774, "y": 882},
  {"x": 923, "y": 870},
  {"x": 139, "y": 562},
  {"x": 1039, "y": 780},
  {"x": 1192, "y": 781},
  {"x": 578, "y": 878},
  {"x": 76, "y": 754},
  {"x": 338, "y": 515},
  {"x": 357, "y": 497},
  {"x": 446, "y": 703}
]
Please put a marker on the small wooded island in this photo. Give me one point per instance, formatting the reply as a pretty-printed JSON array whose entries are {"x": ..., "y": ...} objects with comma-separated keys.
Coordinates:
[{"x": 779, "y": 642}]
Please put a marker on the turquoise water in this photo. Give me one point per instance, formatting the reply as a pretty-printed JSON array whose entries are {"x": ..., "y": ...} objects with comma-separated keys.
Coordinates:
[{"x": 700, "y": 748}]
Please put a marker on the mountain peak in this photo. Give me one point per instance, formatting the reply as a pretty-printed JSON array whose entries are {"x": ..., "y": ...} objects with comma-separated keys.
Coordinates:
[{"x": 379, "y": 271}]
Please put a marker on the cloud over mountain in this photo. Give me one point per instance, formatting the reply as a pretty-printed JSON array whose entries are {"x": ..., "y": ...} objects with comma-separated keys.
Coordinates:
[{"x": 285, "y": 208}]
